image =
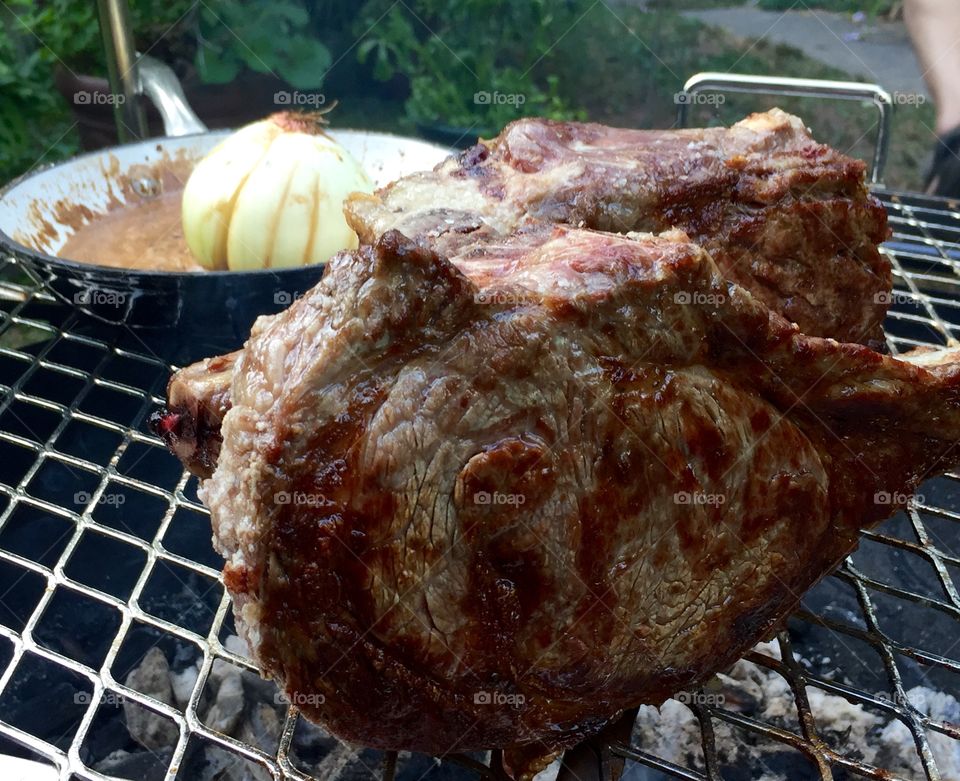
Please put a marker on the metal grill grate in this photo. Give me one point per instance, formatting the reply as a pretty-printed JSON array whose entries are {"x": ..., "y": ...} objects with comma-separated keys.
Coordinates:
[{"x": 105, "y": 553}]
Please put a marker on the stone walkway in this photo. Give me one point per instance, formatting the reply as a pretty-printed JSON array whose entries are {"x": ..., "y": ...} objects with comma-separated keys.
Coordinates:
[{"x": 874, "y": 50}]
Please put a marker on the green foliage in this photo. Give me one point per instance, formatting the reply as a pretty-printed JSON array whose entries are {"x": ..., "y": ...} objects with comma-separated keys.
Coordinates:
[
  {"x": 615, "y": 62},
  {"x": 220, "y": 38},
  {"x": 28, "y": 100},
  {"x": 627, "y": 64},
  {"x": 474, "y": 63},
  {"x": 269, "y": 38}
]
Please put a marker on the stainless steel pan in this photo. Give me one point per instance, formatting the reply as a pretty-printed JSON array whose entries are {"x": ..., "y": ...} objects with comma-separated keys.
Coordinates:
[{"x": 40, "y": 210}]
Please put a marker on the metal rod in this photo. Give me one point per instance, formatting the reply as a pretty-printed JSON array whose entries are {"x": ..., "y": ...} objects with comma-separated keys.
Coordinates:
[
  {"x": 803, "y": 88},
  {"x": 122, "y": 69}
]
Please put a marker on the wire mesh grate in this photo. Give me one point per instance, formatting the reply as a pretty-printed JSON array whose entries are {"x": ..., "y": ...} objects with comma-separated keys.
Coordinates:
[{"x": 114, "y": 621}]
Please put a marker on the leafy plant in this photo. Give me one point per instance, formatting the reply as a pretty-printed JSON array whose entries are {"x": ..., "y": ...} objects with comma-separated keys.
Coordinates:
[
  {"x": 474, "y": 63},
  {"x": 28, "y": 99},
  {"x": 266, "y": 37},
  {"x": 218, "y": 39}
]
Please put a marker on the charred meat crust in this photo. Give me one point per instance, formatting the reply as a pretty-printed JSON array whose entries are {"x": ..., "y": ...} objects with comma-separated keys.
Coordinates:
[
  {"x": 197, "y": 399},
  {"x": 494, "y": 503},
  {"x": 787, "y": 218}
]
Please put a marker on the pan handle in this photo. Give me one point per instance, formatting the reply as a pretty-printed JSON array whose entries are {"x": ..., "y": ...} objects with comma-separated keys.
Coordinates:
[
  {"x": 132, "y": 75},
  {"x": 157, "y": 81},
  {"x": 806, "y": 88}
]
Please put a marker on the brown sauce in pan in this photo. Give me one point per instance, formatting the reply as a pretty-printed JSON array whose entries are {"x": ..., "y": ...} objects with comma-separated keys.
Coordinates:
[{"x": 143, "y": 234}]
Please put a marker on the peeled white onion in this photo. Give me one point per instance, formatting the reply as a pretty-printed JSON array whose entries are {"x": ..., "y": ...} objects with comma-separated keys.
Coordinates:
[{"x": 271, "y": 196}]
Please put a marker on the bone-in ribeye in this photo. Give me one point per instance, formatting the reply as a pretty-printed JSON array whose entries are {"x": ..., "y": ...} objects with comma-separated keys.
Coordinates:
[
  {"x": 786, "y": 217},
  {"x": 578, "y": 472}
]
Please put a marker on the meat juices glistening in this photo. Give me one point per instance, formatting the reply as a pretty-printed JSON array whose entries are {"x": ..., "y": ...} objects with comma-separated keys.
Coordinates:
[
  {"x": 786, "y": 217},
  {"x": 689, "y": 464}
]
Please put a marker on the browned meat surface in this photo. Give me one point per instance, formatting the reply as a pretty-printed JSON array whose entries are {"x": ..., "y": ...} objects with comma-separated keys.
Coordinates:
[
  {"x": 493, "y": 504},
  {"x": 197, "y": 399},
  {"x": 784, "y": 216}
]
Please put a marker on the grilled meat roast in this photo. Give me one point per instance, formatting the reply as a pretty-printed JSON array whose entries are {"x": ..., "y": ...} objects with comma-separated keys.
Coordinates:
[
  {"x": 197, "y": 399},
  {"x": 493, "y": 503},
  {"x": 782, "y": 215}
]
